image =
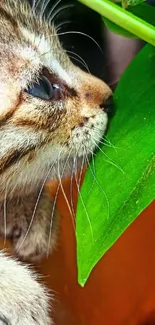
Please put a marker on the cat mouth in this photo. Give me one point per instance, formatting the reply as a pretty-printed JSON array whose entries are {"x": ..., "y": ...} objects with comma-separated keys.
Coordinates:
[{"x": 87, "y": 135}]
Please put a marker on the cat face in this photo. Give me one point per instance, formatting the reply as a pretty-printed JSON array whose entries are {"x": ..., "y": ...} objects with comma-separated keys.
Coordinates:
[{"x": 49, "y": 108}]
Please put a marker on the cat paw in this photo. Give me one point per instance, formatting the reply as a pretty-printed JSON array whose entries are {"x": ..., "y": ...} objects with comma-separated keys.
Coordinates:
[{"x": 23, "y": 300}]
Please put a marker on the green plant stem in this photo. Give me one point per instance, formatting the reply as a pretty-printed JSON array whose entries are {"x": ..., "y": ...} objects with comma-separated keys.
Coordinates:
[{"x": 123, "y": 18}]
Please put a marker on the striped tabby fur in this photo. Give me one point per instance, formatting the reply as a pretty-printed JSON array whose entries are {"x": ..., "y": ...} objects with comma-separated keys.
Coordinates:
[{"x": 34, "y": 135}]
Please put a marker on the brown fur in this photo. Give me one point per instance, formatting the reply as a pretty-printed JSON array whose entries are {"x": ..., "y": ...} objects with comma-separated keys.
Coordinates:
[
  {"x": 39, "y": 140},
  {"x": 30, "y": 126}
]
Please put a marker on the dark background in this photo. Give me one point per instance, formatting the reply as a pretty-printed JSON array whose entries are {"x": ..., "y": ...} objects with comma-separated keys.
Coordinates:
[{"x": 116, "y": 53}]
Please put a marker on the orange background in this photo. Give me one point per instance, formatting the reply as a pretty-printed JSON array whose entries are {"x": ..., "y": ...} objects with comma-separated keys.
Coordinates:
[{"x": 121, "y": 288}]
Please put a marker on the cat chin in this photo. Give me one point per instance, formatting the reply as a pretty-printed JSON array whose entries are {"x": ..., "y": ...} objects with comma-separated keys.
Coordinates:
[{"x": 52, "y": 163}]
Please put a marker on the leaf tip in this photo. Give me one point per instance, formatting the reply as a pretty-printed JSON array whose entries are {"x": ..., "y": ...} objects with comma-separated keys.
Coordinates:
[{"x": 81, "y": 281}]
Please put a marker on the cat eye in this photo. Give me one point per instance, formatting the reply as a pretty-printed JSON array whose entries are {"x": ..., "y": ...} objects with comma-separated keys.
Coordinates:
[{"x": 43, "y": 89}]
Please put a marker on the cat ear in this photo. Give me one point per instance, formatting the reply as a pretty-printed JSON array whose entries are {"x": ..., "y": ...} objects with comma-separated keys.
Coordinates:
[{"x": 9, "y": 96}]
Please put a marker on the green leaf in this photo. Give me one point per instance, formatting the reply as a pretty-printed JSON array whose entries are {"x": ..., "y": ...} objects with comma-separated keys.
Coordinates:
[
  {"x": 126, "y": 3},
  {"x": 124, "y": 171},
  {"x": 143, "y": 11},
  {"x": 116, "y": 29},
  {"x": 123, "y": 18},
  {"x": 134, "y": 2}
]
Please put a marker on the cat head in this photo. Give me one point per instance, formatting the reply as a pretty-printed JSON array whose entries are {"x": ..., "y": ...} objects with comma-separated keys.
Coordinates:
[{"x": 48, "y": 106}]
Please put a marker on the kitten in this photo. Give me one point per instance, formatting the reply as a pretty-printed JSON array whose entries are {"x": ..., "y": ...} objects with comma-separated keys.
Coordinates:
[{"x": 50, "y": 111}]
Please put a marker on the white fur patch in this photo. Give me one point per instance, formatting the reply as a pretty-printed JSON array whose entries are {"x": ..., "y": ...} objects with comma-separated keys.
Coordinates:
[
  {"x": 85, "y": 139},
  {"x": 47, "y": 56},
  {"x": 23, "y": 300}
]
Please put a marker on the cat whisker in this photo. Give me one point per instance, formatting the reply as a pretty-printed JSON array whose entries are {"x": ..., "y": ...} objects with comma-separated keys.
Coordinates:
[
  {"x": 113, "y": 82},
  {"x": 74, "y": 172},
  {"x": 109, "y": 143},
  {"x": 81, "y": 170},
  {"x": 52, "y": 9},
  {"x": 85, "y": 209},
  {"x": 57, "y": 12},
  {"x": 61, "y": 185},
  {"x": 80, "y": 33},
  {"x": 35, "y": 4},
  {"x": 85, "y": 66},
  {"x": 103, "y": 142},
  {"x": 56, "y": 195},
  {"x": 43, "y": 8},
  {"x": 71, "y": 188},
  {"x": 59, "y": 26},
  {"x": 95, "y": 179},
  {"x": 52, "y": 215},
  {"x": 83, "y": 62},
  {"x": 37, "y": 202},
  {"x": 109, "y": 159},
  {"x": 93, "y": 162}
]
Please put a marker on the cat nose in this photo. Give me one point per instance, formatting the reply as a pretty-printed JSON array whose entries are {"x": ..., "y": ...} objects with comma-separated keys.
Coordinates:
[{"x": 107, "y": 106}]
